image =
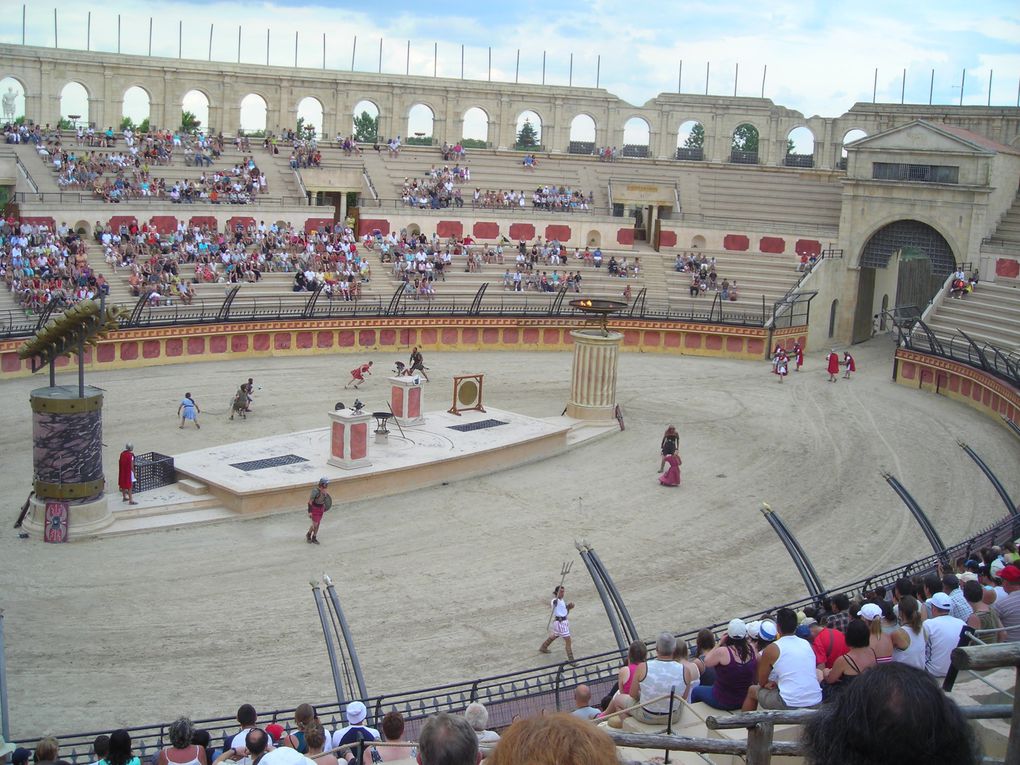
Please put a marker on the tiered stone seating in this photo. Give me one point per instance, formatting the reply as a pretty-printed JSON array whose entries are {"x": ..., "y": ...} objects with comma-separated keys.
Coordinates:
[
  {"x": 1008, "y": 231},
  {"x": 803, "y": 199},
  {"x": 756, "y": 274},
  {"x": 990, "y": 314}
]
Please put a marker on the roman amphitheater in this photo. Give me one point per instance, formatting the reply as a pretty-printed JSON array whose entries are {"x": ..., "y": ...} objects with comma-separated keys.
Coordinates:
[{"x": 196, "y": 607}]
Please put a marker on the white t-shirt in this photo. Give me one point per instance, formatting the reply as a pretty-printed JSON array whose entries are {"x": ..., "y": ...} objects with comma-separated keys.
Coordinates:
[
  {"x": 941, "y": 636},
  {"x": 795, "y": 672},
  {"x": 285, "y": 756}
]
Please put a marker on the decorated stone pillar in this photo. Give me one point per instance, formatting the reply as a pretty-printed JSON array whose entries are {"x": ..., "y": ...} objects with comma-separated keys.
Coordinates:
[
  {"x": 407, "y": 398},
  {"x": 593, "y": 379},
  {"x": 348, "y": 439}
]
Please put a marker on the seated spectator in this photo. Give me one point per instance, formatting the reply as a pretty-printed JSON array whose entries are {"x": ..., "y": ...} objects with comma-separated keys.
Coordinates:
[
  {"x": 942, "y": 633},
  {"x": 181, "y": 750},
  {"x": 891, "y": 714},
  {"x": 316, "y": 739},
  {"x": 355, "y": 732},
  {"x": 392, "y": 733},
  {"x": 828, "y": 643},
  {"x": 858, "y": 658},
  {"x": 478, "y": 716},
  {"x": 983, "y": 619},
  {"x": 840, "y": 616},
  {"x": 582, "y": 703},
  {"x": 47, "y": 750},
  {"x": 120, "y": 750},
  {"x": 705, "y": 642},
  {"x": 911, "y": 623},
  {"x": 663, "y": 678},
  {"x": 1008, "y": 608},
  {"x": 555, "y": 739},
  {"x": 446, "y": 739},
  {"x": 735, "y": 663},
  {"x": 793, "y": 660},
  {"x": 629, "y": 678},
  {"x": 304, "y": 718}
]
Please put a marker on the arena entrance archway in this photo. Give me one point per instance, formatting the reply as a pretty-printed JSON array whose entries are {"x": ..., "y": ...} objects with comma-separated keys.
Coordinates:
[{"x": 907, "y": 255}]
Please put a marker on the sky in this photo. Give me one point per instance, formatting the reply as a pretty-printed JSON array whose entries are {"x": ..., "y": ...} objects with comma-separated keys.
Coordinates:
[{"x": 815, "y": 57}]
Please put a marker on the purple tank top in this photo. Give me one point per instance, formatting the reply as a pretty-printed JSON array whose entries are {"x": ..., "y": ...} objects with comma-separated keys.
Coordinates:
[{"x": 732, "y": 680}]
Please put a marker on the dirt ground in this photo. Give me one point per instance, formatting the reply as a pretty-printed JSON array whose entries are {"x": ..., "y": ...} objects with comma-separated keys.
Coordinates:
[{"x": 451, "y": 583}]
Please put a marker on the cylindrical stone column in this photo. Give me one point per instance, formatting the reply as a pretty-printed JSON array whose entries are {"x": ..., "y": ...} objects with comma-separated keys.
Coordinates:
[{"x": 593, "y": 379}]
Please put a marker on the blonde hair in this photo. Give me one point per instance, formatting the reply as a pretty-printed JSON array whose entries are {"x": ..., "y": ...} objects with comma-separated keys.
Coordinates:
[{"x": 556, "y": 739}]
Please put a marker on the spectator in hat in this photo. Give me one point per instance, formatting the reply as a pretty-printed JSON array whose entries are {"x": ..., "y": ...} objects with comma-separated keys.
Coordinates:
[
  {"x": 736, "y": 666},
  {"x": 882, "y": 643},
  {"x": 767, "y": 634},
  {"x": 1008, "y": 608},
  {"x": 983, "y": 618},
  {"x": 951, "y": 586},
  {"x": 5, "y": 750},
  {"x": 793, "y": 661},
  {"x": 21, "y": 755},
  {"x": 941, "y": 635},
  {"x": 355, "y": 732},
  {"x": 828, "y": 643}
]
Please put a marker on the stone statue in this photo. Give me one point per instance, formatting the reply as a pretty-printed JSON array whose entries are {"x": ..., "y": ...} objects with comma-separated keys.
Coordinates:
[{"x": 8, "y": 99}]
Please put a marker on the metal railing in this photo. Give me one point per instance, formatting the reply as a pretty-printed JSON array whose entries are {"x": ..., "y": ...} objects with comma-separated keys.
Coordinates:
[
  {"x": 691, "y": 155},
  {"x": 90, "y": 199},
  {"x": 799, "y": 160},
  {"x": 1003, "y": 363},
  {"x": 468, "y": 205}
]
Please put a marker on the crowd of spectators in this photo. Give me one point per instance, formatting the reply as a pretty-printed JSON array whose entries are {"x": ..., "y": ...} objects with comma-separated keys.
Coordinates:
[
  {"x": 705, "y": 277},
  {"x": 42, "y": 267}
]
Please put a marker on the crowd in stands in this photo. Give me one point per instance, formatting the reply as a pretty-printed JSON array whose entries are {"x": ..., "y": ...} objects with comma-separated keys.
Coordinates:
[
  {"x": 441, "y": 188},
  {"x": 42, "y": 267},
  {"x": 15, "y": 133},
  {"x": 704, "y": 276}
]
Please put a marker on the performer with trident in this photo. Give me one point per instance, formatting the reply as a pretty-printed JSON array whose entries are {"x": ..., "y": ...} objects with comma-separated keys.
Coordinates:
[{"x": 559, "y": 623}]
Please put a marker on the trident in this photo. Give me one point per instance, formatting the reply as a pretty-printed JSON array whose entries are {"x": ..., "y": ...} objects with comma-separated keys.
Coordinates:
[{"x": 564, "y": 570}]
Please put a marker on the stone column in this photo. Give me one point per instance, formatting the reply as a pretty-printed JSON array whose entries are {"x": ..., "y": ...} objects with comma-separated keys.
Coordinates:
[
  {"x": 348, "y": 439},
  {"x": 593, "y": 379},
  {"x": 407, "y": 398}
]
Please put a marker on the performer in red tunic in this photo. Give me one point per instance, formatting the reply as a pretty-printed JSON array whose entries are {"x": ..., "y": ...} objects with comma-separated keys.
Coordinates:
[
  {"x": 782, "y": 365},
  {"x": 358, "y": 375},
  {"x": 833, "y": 365},
  {"x": 849, "y": 363},
  {"x": 798, "y": 351},
  {"x": 126, "y": 474}
]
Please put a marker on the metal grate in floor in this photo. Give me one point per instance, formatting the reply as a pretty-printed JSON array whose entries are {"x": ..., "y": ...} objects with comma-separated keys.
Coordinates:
[
  {"x": 269, "y": 462},
  {"x": 480, "y": 425}
]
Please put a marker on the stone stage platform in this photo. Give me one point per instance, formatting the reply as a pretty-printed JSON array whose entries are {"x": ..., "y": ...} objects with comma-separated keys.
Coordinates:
[{"x": 246, "y": 479}]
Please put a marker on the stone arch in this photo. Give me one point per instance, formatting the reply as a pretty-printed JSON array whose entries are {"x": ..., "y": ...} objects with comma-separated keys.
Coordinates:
[
  {"x": 413, "y": 229},
  {"x": 637, "y": 132},
  {"x": 74, "y": 99},
  {"x": 924, "y": 258},
  {"x": 594, "y": 238},
  {"x": 254, "y": 113},
  {"x": 854, "y": 134},
  {"x": 698, "y": 242},
  {"x": 311, "y": 110},
  {"x": 83, "y": 228},
  {"x": 136, "y": 104},
  {"x": 476, "y": 125},
  {"x": 583, "y": 129},
  {"x": 421, "y": 123},
  {"x": 198, "y": 103},
  {"x": 800, "y": 147},
  {"x": 690, "y": 141},
  {"x": 362, "y": 107},
  {"x": 20, "y": 91},
  {"x": 745, "y": 144},
  {"x": 535, "y": 120}
]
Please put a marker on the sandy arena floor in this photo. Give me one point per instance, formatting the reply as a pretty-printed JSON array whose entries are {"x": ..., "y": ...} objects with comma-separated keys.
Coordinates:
[{"x": 452, "y": 583}]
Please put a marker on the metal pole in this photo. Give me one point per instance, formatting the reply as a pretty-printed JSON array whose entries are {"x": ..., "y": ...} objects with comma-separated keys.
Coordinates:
[
  {"x": 903, "y": 87},
  {"x": 53, "y": 373},
  {"x": 963, "y": 81},
  {"x": 680, "y": 77},
  {"x": 267, "y": 47},
  {"x": 736, "y": 77},
  {"x": 490, "y": 63},
  {"x": 88, "y": 34},
  {"x": 570, "y": 77},
  {"x": 874, "y": 88},
  {"x": 4, "y": 714},
  {"x": 150, "y": 34},
  {"x": 210, "y": 41},
  {"x": 320, "y": 605},
  {"x": 991, "y": 73},
  {"x": 354, "y": 52},
  {"x": 435, "y": 59},
  {"x": 931, "y": 87},
  {"x": 295, "y": 47},
  {"x": 180, "y": 38},
  {"x": 348, "y": 639},
  {"x": 517, "y": 71},
  {"x": 598, "y": 69},
  {"x": 764, "y": 70},
  {"x": 1018, "y": 93},
  {"x": 462, "y": 61},
  {"x": 543, "y": 67},
  {"x": 708, "y": 66},
  {"x": 23, "y": 11},
  {"x": 380, "y": 55},
  {"x": 118, "y": 33},
  {"x": 323, "y": 50},
  {"x": 239, "y": 43},
  {"x": 81, "y": 369},
  {"x": 408, "y": 65},
  {"x": 55, "y": 30}
]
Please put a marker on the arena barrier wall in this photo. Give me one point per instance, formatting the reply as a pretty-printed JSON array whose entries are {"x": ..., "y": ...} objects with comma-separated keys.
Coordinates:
[{"x": 137, "y": 348}]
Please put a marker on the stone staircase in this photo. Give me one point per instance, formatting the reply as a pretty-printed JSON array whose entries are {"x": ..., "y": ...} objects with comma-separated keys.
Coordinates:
[
  {"x": 990, "y": 314},
  {"x": 1005, "y": 240}
]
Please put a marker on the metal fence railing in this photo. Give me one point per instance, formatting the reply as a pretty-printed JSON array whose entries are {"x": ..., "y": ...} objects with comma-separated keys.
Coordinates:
[
  {"x": 88, "y": 198},
  {"x": 1003, "y": 363}
]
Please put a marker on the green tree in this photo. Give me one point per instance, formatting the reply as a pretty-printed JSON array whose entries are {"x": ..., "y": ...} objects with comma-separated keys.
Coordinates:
[
  {"x": 473, "y": 143},
  {"x": 414, "y": 140},
  {"x": 65, "y": 124},
  {"x": 527, "y": 138},
  {"x": 305, "y": 130},
  {"x": 189, "y": 122},
  {"x": 144, "y": 126},
  {"x": 127, "y": 124},
  {"x": 745, "y": 138},
  {"x": 696, "y": 138},
  {"x": 366, "y": 128}
]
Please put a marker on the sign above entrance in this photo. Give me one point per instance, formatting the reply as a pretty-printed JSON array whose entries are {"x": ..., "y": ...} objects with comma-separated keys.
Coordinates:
[{"x": 644, "y": 193}]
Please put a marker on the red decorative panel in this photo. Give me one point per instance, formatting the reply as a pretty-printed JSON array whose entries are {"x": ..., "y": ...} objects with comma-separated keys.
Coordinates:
[
  {"x": 713, "y": 342},
  {"x": 281, "y": 341},
  {"x": 346, "y": 338},
  {"x": 734, "y": 344},
  {"x": 909, "y": 372},
  {"x": 239, "y": 220},
  {"x": 366, "y": 338},
  {"x": 150, "y": 349},
  {"x": 387, "y": 337},
  {"x": 359, "y": 440},
  {"x": 317, "y": 224},
  {"x": 10, "y": 362},
  {"x": 667, "y": 238},
  {"x": 550, "y": 337},
  {"x": 238, "y": 343},
  {"x": 1007, "y": 267},
  {"x": 261, "y": 341},
  {"x": 449, "y": 336},
  {"x": 196, "y": 346},
  {"x": 557, "y": 231},
  {"x": 62, "y": 361},
  {"x": 397, "y": 400},
  {"x": 808, "y": 247},
  {"x": 117, "y": 221},
  {"x": 490, "y": 335},
  {"x": 773, "y": 244},
  {"x": 218, "y": 344},
  {"x": 174, "y": 347},
  {"x": 304, "y": 340},
  {"x": 736, "y": 242},
  {"x": 672, "y": 340},
  {"x": 975, "y": 392},
  {"x": 164, "y": 224},
  {"x": 986, "y": 397},
  {"x": 756, "y": 346},
  {"x": 428, "y": 336},
  {"x": 510, "y": 336},
  {"x": 414, "y": 402},
  {"x": 336, "y": 444},
  {"x": 625, "y": 236},
  {"x": 107, "y": 352},
  {"x": 631, "y": 337},
  {"x": 485, "y": 230},
  {"x": 693, "y": 340},
  {"x": 519, "y": 231},
  {"x": 128, "y": 351},
  {"x": 531, "y": 336},
  {"x": 447, "y": 228},
  {"x": 469, "y": 335},
  {"x": 324, "y": 340},
  {"x": 209, "y": 221},
  {"x": 652, "y": 339},
  {"x": 371, "y": 225},
  {"x": 954, "y": 384}
]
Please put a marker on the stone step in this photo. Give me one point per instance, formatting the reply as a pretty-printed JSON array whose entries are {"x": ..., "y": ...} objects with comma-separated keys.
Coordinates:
[{"x": 192, "y": 486}]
